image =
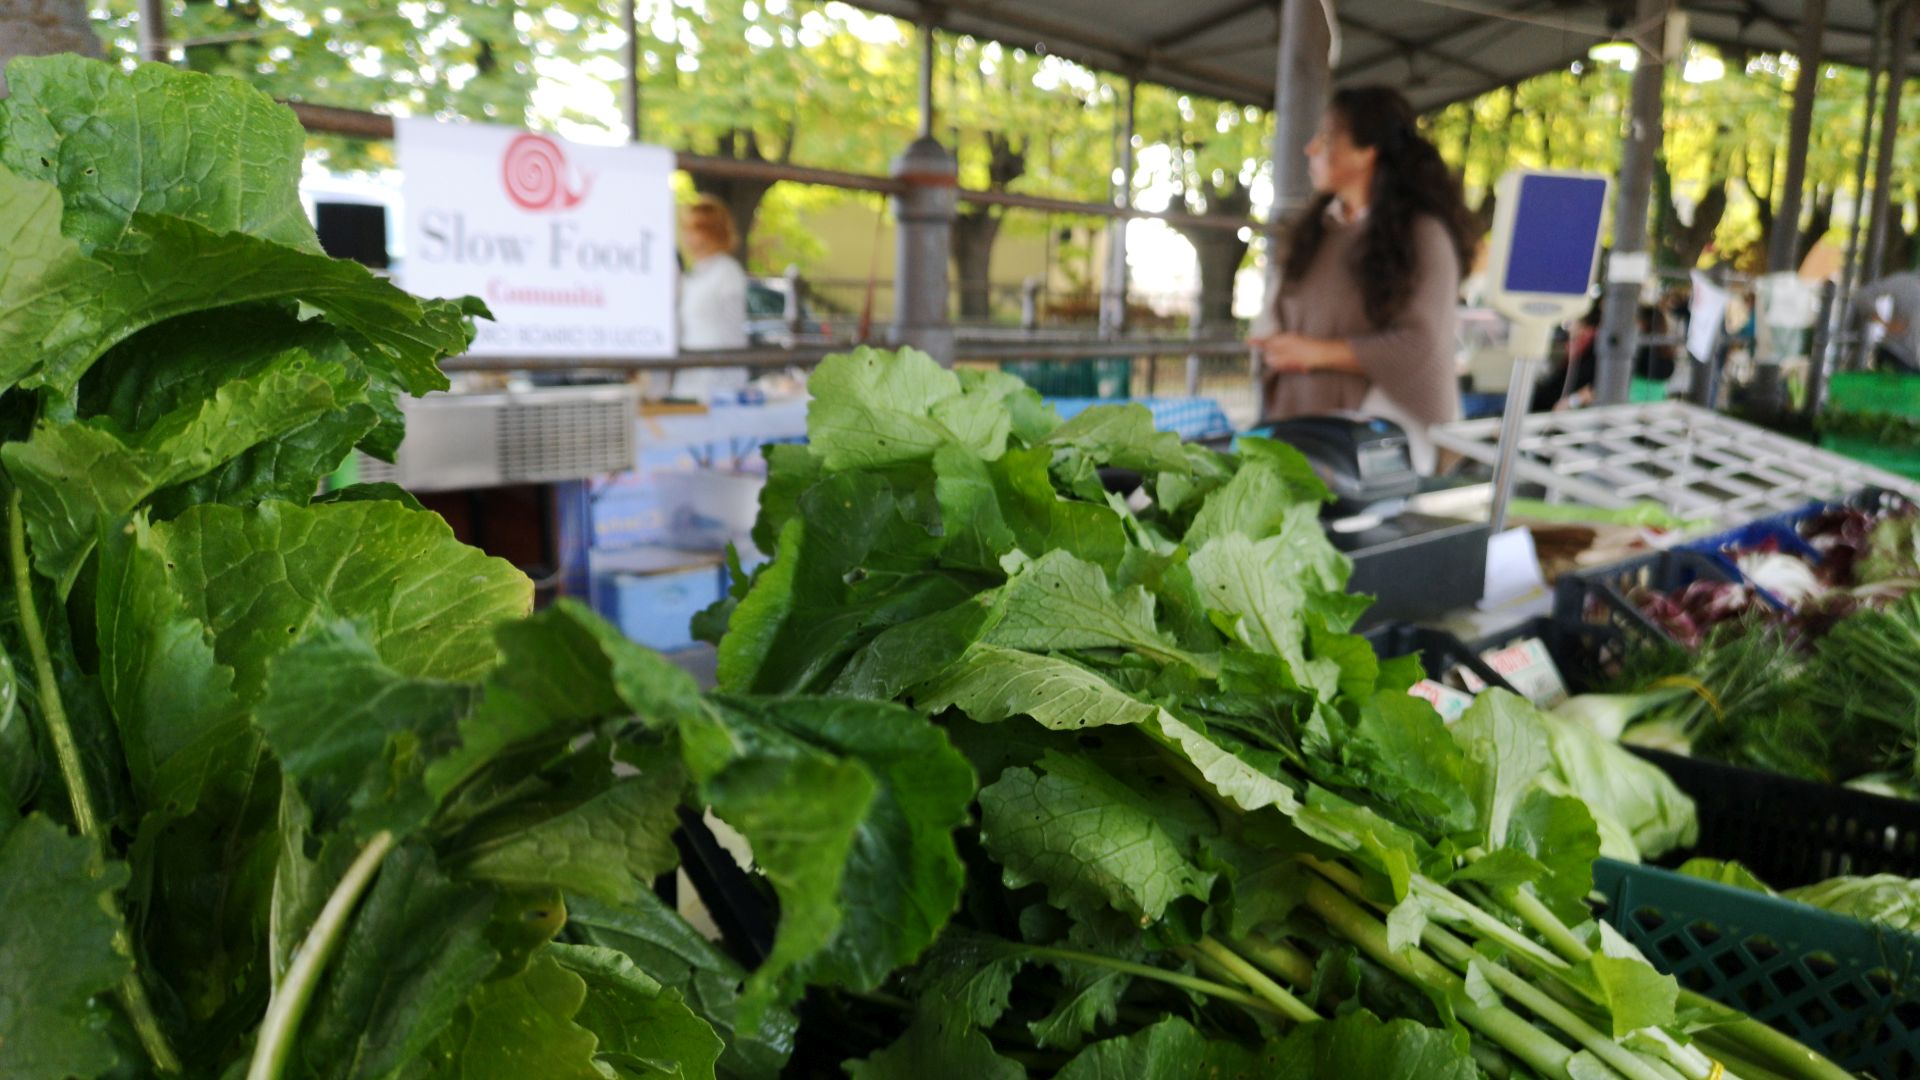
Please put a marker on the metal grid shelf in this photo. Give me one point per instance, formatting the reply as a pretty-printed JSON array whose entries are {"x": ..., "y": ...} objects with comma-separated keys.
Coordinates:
[{"x": 1698, "y": 464}]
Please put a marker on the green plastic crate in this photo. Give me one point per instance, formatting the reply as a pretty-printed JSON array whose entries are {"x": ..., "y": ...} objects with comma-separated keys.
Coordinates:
[
  {"x": 1846, "y": 988},
  {"x": 1110, "y": 378},
  {"x": 1898, "y": 460},
  {"x": 1645, "y": 391},
  {"x": 1874, "y": 392}
]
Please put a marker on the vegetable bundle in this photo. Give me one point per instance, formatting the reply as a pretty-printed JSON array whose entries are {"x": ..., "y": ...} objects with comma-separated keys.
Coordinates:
[
  {"x": 291, "y": 786},
  {"x": 1215, "y": 835}
]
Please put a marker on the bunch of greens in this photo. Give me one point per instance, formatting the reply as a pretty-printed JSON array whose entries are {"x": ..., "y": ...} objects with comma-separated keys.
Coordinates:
[
  {"x": 291, "y": 786},
  {"x": 1887, "y": 431},
  {"x": 1216, "y": 835},
  {"x": 1840, "y": 707}
]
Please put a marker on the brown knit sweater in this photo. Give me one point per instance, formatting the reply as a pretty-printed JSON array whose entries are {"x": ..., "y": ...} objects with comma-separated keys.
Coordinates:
[{"x": 1409, "y": 363}]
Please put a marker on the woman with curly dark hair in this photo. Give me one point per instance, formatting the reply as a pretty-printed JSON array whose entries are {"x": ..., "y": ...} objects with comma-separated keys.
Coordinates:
[{"x": 1364, "y": 319}]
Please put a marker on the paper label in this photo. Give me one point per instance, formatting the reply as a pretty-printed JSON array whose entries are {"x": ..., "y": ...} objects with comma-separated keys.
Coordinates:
[
  {"x": 1451, "y": 704},
  {"x": 1530, "y": 671}
]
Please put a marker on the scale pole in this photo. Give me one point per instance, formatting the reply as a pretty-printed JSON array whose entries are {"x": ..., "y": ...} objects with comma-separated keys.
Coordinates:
[{"x": 1519, "y": 401}]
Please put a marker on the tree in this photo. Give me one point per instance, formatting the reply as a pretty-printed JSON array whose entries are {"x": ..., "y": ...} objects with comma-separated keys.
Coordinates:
[
  {"x": 42, "y": 27},
  {"x": 1216, "y": 149},
  {"x": 1014, "y": 117}
]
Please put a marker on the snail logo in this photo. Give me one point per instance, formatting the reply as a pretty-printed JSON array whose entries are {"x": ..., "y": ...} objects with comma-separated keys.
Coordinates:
[{"x": 534, "y": 171}]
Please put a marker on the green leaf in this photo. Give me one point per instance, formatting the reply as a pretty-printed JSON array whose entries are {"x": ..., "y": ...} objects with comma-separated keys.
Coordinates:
[
  {"x": 641, "y": 1025},
  {"x": 936, "y": 1047},
  {"x": 1090, "y": 839},
  {"x": 57, "y": 957},
  {"x": 873, "y": 408},
  {"x": 992, "y": 683},
  {"x": 609, "y": 847},
  {"x": 416, "y": 948},
  {"x": 1170, "y": 1049},
  {"x": 1634, "y": 995},
  {"x": 1062, "y": 602},
  {"x": 800, "y": 811},
  {"x": 918, "y": 650},
  {"x": 858, "y": 561},
  {"x": 259, "y": 578},
  {"x": 74, "y": 477},
  {"x": 1506, "y": 753},
  {"x": 989, "y": 508},
  {"x": 1262, "y": 588},
  {"x": 903, "y": 876},
  {"x": 662, "y": 944},
  {"x": 968, "y": 976},
  {"x": 1123, "y": 436},
  {"x": 560, "y": 670},
  {"x": 519, "y": 1027},
  {"x": 60, "y": 311},
  {"x": 1265, "y": 497},
  {"x": 1090, "y": 998},
  {"x": 180, "y": 722},
  {"x": 239, "y": 171},
  {"x": 1359, "y": 1044},
  {"x": 849, "y": 807},
  {"x": 1249, "y": 787}
]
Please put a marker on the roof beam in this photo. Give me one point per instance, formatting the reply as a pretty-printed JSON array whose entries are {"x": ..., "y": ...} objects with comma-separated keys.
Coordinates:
[
  {"x": 1186, "y": 32},
  {"x": 1411, "y": 46},
  {"x": 1442, "y": 38}
]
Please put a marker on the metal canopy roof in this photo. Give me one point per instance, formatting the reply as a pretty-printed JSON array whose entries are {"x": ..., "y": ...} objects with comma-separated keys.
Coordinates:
[{"x": 1436, "y": 51}]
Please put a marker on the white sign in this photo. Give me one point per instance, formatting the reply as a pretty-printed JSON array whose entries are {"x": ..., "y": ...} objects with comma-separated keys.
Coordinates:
[{"x": 570, "y": 245}]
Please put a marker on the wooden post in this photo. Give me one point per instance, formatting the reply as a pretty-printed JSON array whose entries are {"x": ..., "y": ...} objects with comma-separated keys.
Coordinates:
[
  {"x": 1630, "y": 262},
  {"x": 1784, "y": 245}
]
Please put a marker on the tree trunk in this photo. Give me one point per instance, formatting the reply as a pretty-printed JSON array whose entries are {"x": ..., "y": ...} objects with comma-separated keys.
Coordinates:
[
  {"x": 977, "y": 227},
  {"x": 742, "y": 197},
  {"x": 974, "y": 231},
  {"x": 1219, "y": 253},
  {"x": 44, "y": 27}
]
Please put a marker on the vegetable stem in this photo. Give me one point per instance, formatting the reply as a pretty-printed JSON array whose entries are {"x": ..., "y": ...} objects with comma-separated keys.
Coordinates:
[
  {"x": 1282, "y": 960},
  {"x": 1257, "y": 980},
  {"x": 1461, "y": 955},
  {"x": 66, "y": 750},
  {"x": 1536, "y": 1048},
  {"x": 288, "y": 1004},
  {"x": 1536, "y": 914},
  {"x": 1144, "y": 971}
]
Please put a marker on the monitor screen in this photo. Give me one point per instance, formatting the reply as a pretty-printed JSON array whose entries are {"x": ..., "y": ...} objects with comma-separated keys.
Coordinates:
[{"x": 1556, "y": 226}]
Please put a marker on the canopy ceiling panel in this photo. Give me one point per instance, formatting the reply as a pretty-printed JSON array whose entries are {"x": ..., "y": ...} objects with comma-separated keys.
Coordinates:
[{"x": 1436, "y": 51}]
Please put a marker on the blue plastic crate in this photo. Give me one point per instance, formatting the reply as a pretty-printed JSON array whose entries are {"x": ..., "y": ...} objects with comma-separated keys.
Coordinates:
[
  {"x": 1782, "y": 530},
  {"x": 652, "y": 595}
]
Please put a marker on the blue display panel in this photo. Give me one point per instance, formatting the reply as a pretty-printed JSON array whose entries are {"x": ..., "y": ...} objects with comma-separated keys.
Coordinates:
[{"x": 1556, "y": 226}]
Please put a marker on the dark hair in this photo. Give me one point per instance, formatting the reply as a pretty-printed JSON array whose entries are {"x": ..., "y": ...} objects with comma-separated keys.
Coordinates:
[{"x": 1409, "y": 180}]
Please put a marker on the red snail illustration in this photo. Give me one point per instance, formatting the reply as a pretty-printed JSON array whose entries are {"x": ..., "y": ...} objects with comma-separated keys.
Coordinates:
[{"x": 534, "y": 170}]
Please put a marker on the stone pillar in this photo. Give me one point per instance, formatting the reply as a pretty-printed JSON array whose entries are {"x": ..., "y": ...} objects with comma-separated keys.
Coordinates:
[
  {"x": 923, "y": 236},
  {"x": 1301, "y": 84},
  {"x": 1627, "y": 269}
]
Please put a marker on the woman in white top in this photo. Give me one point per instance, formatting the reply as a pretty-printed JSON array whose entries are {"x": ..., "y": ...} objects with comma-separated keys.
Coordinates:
[{"x": 713, "y": 299}]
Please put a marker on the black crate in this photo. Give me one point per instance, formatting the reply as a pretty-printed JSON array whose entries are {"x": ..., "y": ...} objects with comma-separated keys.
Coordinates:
[
  {"x": 1791, "y": 831},
  {"x": 1599, "y": 598},
  {"x": 1439, "y": 651}
]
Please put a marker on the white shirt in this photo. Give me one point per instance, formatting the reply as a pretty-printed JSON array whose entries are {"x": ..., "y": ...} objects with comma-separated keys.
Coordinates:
[{"x": 713, "y": 315}]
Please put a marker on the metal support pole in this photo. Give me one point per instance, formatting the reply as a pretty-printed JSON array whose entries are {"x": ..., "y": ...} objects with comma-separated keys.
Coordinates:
[
  {"x": 926, "y": 80},
  {"x": 630, "y": 22},
  {"x": 1300, "y": 88},
  {"x": 923, "y": 214},
  {"x": 153, "y": 31},
  {"x": 1899, "y": 45},
  {"x": 1818, "y": 354},
  {"x": 1785, "y": 242},
  {"x": 1850, "y": 266},
  {"x": 1113, "y": 294},
  {"x": 1519, "y": 399},
  {"x": 1627, "y": 270}
]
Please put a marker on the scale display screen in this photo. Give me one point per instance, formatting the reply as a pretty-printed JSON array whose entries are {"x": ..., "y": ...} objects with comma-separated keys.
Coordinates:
[{"x": 1556, "y": 225}]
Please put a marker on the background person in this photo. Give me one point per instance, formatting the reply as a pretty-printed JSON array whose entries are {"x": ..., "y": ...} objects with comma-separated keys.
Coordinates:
[
  {"x": 713, "y": 299},
  {"x": 1900, "y": 348},
  {"x": 1365, "y": 316}
]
